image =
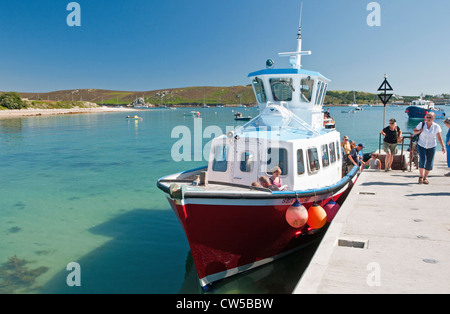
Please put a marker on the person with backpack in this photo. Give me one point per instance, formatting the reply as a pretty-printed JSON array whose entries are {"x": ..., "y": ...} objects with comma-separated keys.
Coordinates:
[{"x": 426, "y": 146}]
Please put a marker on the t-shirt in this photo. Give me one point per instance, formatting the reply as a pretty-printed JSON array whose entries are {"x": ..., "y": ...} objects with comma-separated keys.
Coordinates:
[
  {"x": 447, "y": 139},
  {"x": 427, "y": 138},
  {"x": 355, "y": 153},
  {"x": 373, "y": 163},
  {"x": 273, "y": 187},
  {"x": 347, "y": 147},
  {"x": 391, "y": 136},
  {"x": 276, "y": 183}
]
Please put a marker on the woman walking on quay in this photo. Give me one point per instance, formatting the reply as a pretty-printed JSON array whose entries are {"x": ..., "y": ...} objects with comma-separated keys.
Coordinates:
[
  {"x": 426, "y": 145},
  {"x": 391, "y": 135},
  {"x": 447, "y": 144}
]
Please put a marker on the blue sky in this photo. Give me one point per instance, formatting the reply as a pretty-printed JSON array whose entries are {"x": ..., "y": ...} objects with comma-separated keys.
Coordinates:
[{"x": 139, "y": 45}]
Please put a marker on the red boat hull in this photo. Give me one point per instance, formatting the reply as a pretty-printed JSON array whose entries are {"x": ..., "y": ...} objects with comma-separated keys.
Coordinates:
[{"x": 230, "y": 237}]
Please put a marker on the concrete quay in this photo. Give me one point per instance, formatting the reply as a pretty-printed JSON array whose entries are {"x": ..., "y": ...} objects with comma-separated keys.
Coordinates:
[{"x": 391, "y": 236}]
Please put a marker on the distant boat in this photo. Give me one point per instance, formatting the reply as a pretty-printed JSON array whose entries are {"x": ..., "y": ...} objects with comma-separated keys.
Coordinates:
[
  {"x": 134, "y": 117},
  {"x": 239, "y": 117},
  {"x": 420, "y": 107},
  {"x": 355, "y": 105},
  {"x": 192, "y": 113}
]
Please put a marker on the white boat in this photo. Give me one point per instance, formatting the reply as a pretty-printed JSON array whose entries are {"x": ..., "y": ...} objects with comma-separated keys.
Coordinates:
[
  {"x": 355, "y": 106},
  {"x": 193, "y": 113},
  {"x": 232, "y": 226}
]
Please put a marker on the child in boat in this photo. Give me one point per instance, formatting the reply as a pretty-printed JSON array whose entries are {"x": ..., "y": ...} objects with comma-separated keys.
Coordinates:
[{"x": 275, "y": 178}]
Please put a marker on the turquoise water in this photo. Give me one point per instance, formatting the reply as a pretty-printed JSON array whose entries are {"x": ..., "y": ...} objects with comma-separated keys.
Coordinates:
[{"x": 82, "y": 188}]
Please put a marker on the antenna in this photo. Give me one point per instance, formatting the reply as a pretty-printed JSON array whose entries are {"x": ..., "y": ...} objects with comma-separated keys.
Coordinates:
[
  {"x": 299, "y": 35},
  {"x": 296, "y": 57}
]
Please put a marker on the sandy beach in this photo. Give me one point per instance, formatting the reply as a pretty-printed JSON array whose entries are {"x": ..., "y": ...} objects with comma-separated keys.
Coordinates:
[{"x": 45, "y": 112}]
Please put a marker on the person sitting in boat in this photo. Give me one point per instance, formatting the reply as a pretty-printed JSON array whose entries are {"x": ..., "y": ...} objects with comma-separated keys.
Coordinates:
[
  {"x": 275, "y": 178},
  {"x": 256, "y": 184},
  {"x": 265, "y": 183}
]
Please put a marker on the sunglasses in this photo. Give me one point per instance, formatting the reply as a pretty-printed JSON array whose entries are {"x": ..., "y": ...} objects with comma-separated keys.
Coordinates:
[{"x": 429, "y": 117}]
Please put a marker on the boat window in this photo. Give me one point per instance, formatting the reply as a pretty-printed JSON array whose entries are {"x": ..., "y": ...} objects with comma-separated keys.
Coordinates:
[
  {"x": 322, "y": 93},
  {"x": 332, "y": 152},
  {"x": 325, "y": 156},
  {"x": 259, "y": 90},
  {"x": 306, "y": 89},
  {"x": 313, "y": 160},
  {"x": 300, "y": 162},
  {"x": 319, "y": 85},
  {"x": 338, "y": 151},
  {"x": 277, "y": 157},
  {"x": 220, "y": 163},
  {"x": 246, "y": 162},
  {"x": 282, "y": 89}
]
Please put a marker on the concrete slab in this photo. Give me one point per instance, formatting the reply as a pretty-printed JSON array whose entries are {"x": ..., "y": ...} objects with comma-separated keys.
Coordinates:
[{"x": 404, "y": 229}]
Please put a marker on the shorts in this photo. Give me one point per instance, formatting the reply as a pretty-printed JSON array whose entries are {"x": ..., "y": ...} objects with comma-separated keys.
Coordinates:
[{"x": 390, "y": 148}]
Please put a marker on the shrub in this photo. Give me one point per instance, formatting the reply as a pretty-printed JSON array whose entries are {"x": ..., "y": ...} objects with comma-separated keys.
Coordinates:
[{"x": 11, "y": 100}]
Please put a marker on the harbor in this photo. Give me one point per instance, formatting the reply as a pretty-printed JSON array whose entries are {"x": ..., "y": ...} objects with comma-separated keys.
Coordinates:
[
  {"x": 167, "y": 150},
  {"x": 390, "y": 236}
]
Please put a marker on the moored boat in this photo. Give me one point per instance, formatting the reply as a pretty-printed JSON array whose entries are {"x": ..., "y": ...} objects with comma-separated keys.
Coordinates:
[
  {"x": 420, "y": 107},
  {"x": 192, "y": 113},
  {"x": 232, "y": 225},
  {"x": 239, "y": 117},
  {"x": 134, "y": 117}
]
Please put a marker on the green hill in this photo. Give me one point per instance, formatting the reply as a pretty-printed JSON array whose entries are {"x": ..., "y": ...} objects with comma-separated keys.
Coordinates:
[
  {"x": 187, "y": 96},
  {"x": 172, "y": 96}
]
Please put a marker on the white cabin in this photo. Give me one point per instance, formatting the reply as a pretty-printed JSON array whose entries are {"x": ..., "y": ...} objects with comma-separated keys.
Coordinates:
[{"x": 289, "y": 132}]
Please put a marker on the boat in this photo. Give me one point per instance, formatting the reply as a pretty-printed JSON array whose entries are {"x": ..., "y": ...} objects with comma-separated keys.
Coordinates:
[
  {"x": 355, "y": 106},
  {"x": 239, "y": 117},
  {"x": 233, "y": 226},
  {"x": 420, "y": 107},
  {"x": 193, "y": 113},
  {"x": 134, "y": 117}
]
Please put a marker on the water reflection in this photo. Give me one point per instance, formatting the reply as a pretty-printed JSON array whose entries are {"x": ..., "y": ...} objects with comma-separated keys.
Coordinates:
[{"x": 11, "y": 130}]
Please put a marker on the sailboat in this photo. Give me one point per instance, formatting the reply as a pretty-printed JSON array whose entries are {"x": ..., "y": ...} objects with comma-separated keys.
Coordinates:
[{"x": 355, "y": 105}]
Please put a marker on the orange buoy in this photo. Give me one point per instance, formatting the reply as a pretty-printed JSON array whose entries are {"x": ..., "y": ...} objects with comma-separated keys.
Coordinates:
[
  {"x": 331, "y": 208},
  {"x": 317, "y": 217},
  {"x": 296, "y": 215}
]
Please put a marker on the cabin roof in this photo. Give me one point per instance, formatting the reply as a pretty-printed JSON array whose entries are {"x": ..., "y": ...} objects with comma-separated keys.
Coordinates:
[{"x": 287, "y": 71}]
